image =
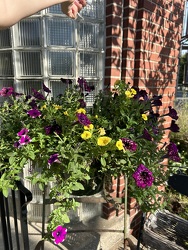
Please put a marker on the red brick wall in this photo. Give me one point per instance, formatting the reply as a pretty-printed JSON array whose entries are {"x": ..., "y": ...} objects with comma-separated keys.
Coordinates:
[{"x": 142, "y": 47}]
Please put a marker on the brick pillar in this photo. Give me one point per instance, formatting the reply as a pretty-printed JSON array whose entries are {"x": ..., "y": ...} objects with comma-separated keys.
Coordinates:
[
  {"x": 114, "y": 31},
  {"x": 142, "y": 47}
]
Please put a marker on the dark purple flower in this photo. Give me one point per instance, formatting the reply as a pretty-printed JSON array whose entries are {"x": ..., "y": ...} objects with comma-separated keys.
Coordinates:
[
  {"x": 82, "y": 118},
  {"x": 50, "y": 129},
  {"x": 173, "y": 152},
  {"x": 156, "y": 103},
  {"x": 146, "y": 135},
  {"x": 34, "y": 113},
  {"x": 155, "y": 130},
  {"x": 141, "y": 94},
  {"x": 25, "y": 139},
  {"x": 53, "y": 158},
  {"x": 6, "y": 91},
  {"x": 33, "y": 104},
  {"x": 66, "y": 81},
  {"x": 129, "y": 144},
  {"x": 84, "y": 85},
  {"x": 172, "y": 113},
  {"x": 23, "y": 131},
  {"x": 59, "y": 234},
  {"x": 82, "y": 103},
  {"x": 38, "y": 95},
  {"x": 47, "y": 90},
  {"x": 174, "y": 127},
  {"x": 17, "y": 144},
  {"x": 143, "y": 176}
]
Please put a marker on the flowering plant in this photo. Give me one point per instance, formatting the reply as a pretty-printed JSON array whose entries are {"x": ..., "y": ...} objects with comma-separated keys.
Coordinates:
[{"x": 72, "y": 145}]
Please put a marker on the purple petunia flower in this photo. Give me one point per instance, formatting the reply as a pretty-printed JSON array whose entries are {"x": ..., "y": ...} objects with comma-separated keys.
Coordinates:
[
  {"x": 6, "y": 91},
  {"x": 146, "y": 135},
  {"x": 83, "y": 119},
  {"x": 143, "y": 177},
  {"x": 82, "y": 103},
  {"x": 129, "y": 144},
  {"x": 25, "y": 139},
  {"x": 172, "y": 113},
  {"x": 17, "y": 144},
  {"x": 34, "y": 113},
  {"x": 53, "y": 129},
  {"x": 59, "y": 234},
  {"x": 38, "y": 95},
  {"x": 173, "y": 152},
  {"x": 23, "y": 131},
  {"x": 33, "y": 104},
  {"x": 53, "y": 158},
  {"x": 174, "y": 127},
  {"x": 84, "y": 85},
  {"x": 46, "y": 89}
]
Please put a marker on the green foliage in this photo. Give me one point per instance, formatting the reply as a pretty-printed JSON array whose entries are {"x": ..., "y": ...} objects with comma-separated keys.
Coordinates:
[{"x": 73, "y": 147}]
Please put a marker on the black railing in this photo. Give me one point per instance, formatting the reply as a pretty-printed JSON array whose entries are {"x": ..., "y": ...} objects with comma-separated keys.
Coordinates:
[{"x": 13, "y": 212}]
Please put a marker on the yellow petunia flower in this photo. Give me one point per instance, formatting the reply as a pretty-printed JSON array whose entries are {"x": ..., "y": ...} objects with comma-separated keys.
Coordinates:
[
  {"x": 103, "y": 140},
  {"x": 130, "y": 93},
  {"x": 43, "y": 107},
  {"x": 90, "y": 127},
  {"x": 102, "y": 131},
  {"x": 119, "y": 145},
  {"x": 86, "y": 135},
  {"x": 57, "y": 107},
  {"x": 65, "y": 113},
  {"x": 144, "y": 117},
  {"x": 81, "y": 110}
]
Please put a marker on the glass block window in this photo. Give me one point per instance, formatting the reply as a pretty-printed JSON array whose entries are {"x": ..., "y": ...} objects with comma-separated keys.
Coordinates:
[{"x": 48, "y": 46}]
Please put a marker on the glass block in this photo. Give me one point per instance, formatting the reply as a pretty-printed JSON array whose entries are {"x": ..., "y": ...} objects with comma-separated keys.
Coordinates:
[
  {"x": 88, "y": 64},
  {"x": 89, "y": 35},
  {"x": 29, "y": 63},
  {"x": 61, "y": 62},
  {"x": 29, "y": 32},
  {"x": 56, "y": 9},
  {"x": 5, "y": 38},
  {"x": 26, "y": 86},
  {"x": 60, "y": 31},
  {"x": 58, "y": 87},
  {"x": 6, "y": 66},
  {"x": 95, "y": 10}
]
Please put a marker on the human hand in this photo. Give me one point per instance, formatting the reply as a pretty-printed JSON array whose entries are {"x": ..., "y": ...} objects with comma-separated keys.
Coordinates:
[{"x": 72, "y": 7}]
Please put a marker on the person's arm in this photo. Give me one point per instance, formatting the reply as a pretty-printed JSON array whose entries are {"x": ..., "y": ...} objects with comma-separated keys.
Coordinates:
[{"x": 12, "y": 11}]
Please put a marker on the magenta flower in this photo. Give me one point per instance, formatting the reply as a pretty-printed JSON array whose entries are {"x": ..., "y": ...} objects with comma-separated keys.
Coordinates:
[
  {"x": 83, "y": 119},
  {"x": 59, "y": 234},
  {"x": 53, "y": 158},
  {"x": 143, "y": 176},
  {"x": 33, "y": 104},
  {"x": 6, "y": 91},
  {"x": 25, "y": 139},
  {"x": 173, "y": 152},
  {"x": 129, "y": 144},
  {"x": 23, "y": 131},
  {"x": 34, "y": 113}
]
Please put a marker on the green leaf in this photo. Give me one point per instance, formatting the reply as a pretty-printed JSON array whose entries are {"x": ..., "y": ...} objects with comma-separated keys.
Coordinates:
[
  {"x": 31, "y": 155},
  {"x": 5, "y": 192},
  {"x": 11, "y": 160},
  {"x": 103, "y": 162}
]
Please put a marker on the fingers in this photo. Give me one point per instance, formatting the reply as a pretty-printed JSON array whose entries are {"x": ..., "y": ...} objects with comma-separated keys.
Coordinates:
[{"x": 72, "y": 7}]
